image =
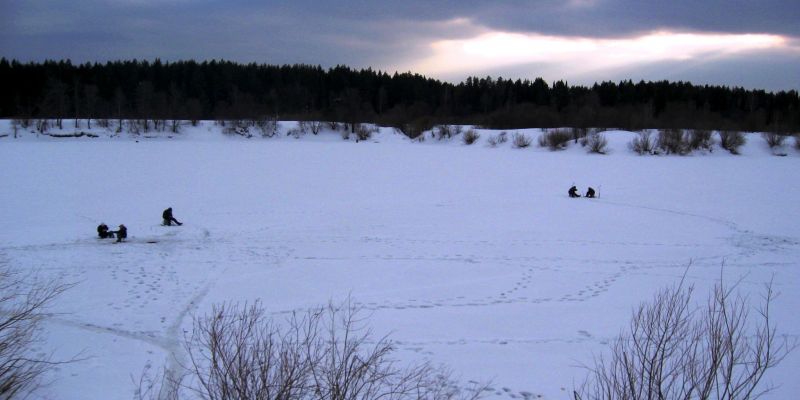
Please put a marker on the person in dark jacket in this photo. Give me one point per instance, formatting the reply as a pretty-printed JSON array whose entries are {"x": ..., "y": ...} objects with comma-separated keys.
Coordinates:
[
  {"x": 590, "y": 193},
  {"x": 122, "y": 233},
  {"x": 168, "y": 218},
  {"x": 102, "y": 231},
  {"x": 573, "y": 192}
]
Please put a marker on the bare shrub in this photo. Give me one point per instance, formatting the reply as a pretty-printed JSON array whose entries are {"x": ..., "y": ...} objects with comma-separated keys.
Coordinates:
[
  {"x": 556, "y": 139},
  {"x": 731, "y": 141},
  {"x": 295, "y": 133},
  {"x": 595, "y": 142},
  {"x": 310, "y": 126},
  {"x": 364, "y": 132},
  {"x": 499, "y": 139},
  {"x": 774, "y": 140},
  {"x": 444, "y": 131},
  {"x": 15, "y": 125},
  {"x": 521, "y": 141},
  {"x": 135, "y": 127},
  {"x": 163, "y": 386},
  {"x": 267, "y": 124},
  {"x": 674, "y": 351},
  {"x": 236, "y": 127},
  {"x": 415, "y": 128},
  {"x": 470, "y": 137},
  {"x": 642, "y": 143},
  {"x": 22, "y": 301},
  {"x": 326, "y": 353},
  {"x": 502, "y": 138},
  {"x": 334, "y": 125},
  {"x": 673, "y": 141},
  {"x": 175, "y": 125},
  {"x": 700, "y": 139},
  {"x": 579, "y": 133},
  {"x": 42, "y": 125},
  {"x": 23, "y": 122}
]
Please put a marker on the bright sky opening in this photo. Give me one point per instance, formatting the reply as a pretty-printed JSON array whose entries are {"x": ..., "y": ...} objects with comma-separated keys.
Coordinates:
[{"x": 581, "y": 54}]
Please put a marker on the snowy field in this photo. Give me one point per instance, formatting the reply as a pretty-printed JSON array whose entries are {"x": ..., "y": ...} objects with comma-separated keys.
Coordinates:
[{"x": 468, "y": 256}]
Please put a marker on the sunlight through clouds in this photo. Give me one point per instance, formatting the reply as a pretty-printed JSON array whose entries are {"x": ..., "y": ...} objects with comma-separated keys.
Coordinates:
[{"x": 576, "y": 54}]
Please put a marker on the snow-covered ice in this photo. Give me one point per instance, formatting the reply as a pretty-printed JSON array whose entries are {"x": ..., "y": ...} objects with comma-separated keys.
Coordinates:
[{"x": 468, "y": 256}]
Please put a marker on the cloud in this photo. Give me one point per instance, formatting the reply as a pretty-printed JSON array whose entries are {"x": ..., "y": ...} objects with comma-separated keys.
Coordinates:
[{"x": 581, "y": 55}]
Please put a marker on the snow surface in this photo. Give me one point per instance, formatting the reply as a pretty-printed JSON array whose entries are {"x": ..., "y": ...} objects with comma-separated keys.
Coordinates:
[{"x": 468, "y": 256}]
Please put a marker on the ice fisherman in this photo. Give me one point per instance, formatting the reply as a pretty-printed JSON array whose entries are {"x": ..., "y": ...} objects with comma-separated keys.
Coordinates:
[
  {"x": 122, "y": 232},
  {"x": 573, "y": 192},
  {"x": 102, "y": 231},
  {"x": 590, "y": 193},
  {"x": 168, "y": 218}
]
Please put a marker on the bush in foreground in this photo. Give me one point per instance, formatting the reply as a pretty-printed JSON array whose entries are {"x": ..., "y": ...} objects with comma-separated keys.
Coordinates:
[
  {"x": 22, "y": 304},
  {"x": 674, "y": 351},
  {"x": 237, "y": 352}
]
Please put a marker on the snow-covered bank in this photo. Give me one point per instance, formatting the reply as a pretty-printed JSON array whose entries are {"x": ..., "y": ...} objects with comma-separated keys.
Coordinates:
[{"x": 470, "y": 256}]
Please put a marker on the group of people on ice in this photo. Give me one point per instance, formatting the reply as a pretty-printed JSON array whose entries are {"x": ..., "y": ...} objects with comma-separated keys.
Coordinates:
[
  {"x": 122, "y": 232},
  {"x": 104, "y": 233},
  {"x": 573, "y": 192}
]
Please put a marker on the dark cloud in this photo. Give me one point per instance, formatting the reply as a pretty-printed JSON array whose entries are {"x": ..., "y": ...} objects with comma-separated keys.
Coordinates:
[{"x": 626, "y": 17}]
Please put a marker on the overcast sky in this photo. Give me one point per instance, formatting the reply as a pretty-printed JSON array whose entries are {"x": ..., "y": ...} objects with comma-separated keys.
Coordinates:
[{"x": 749, "y": 43}]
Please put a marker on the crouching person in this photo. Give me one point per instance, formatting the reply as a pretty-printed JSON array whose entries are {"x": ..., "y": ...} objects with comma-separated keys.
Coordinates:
[
  {"x": 122, "y": 233},
  {"x": 103, "y": 232},
  {"x": 573, "y": 192}
]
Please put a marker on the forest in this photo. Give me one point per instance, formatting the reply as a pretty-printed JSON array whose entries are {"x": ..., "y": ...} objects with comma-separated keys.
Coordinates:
[{"x": 225, "y": 90}]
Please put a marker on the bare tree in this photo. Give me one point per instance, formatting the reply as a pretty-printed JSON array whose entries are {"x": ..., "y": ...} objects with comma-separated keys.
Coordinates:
[
  {"x": 326, "y": 353},
  {"x": 90, "y": 99},
  {"x": 674, "y": 351},
  {"x": 119, "y": 105},
  {"x": 315, "y": 126},
  {"x": 22, "y": 303}
]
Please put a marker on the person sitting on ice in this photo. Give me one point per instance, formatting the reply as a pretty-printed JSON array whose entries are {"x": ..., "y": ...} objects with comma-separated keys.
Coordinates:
[
  {"x": 590, "y": 193},
  {"x": 102, "y": 231},
  {"x": 168, "y": 218},
  {"x": 122, "y": 232},
  {"x": 573, "y": 192}
]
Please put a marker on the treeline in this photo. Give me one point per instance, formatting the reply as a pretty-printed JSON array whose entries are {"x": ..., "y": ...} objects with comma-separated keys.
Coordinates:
[{"x": 222, "y": 90}]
